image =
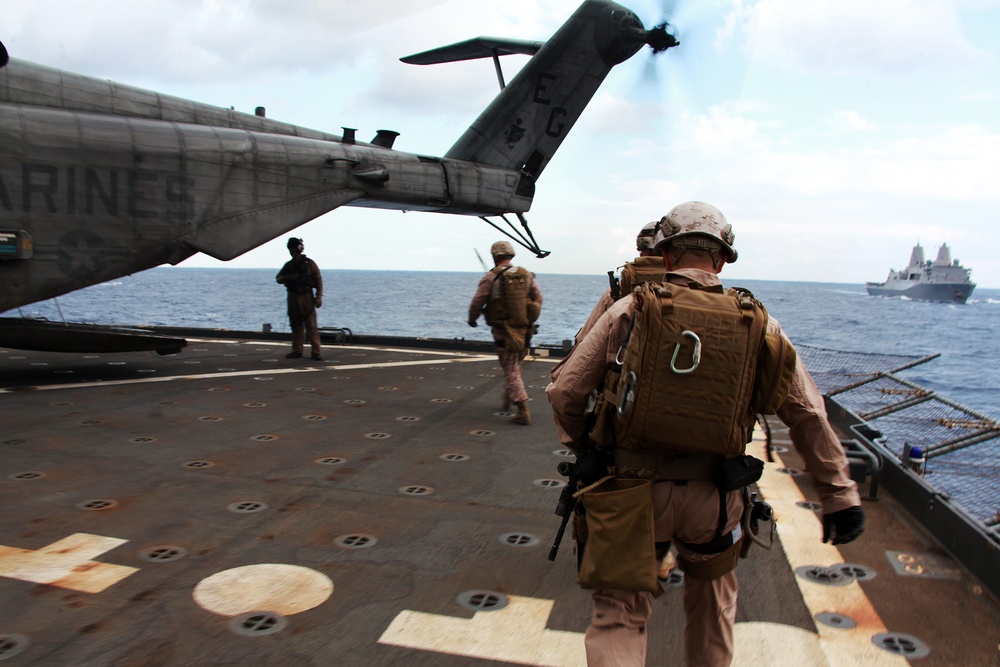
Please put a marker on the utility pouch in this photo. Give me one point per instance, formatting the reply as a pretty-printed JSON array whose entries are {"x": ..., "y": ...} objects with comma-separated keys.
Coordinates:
[
  {"x": 620, "y": 552},
  {"x": 738, "y": 472},
  {"x": 775, "y": 372},
  {"x": 514, "y": 338},
  {"x": 602, "y": 433}
]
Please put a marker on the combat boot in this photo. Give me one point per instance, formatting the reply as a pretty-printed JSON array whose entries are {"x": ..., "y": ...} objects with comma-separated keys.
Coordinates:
[
  {"x": 522, "y": 416},
  {"x": 506, "y": 400}
]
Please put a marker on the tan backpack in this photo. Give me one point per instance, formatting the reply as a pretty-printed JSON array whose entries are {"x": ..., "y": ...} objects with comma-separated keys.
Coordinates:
[
  {"x": 634, "y": 273},
  {"x": 688, "y": 380},
  {"x": 512, "y": 309}
]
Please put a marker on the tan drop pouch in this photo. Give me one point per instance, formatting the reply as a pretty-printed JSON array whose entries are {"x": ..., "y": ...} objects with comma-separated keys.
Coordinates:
[{"x": 620, "y": 551}]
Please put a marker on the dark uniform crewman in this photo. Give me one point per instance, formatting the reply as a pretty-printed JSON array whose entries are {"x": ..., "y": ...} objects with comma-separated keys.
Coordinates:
[
  {"x": 695, "y": 241},
  {"x": 302, "y": 279}
]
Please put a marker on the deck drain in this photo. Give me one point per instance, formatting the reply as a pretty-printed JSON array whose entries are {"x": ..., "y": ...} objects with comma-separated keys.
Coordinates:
[
  {"x": 377, "y": 436},
  {"x": 465, "y": 387},
  {"x": 355, "y": 541},
  {"x": 247, "y": 507},
  {"x": 482, "y": 600},
  {"x": 97, "y": 504},
  {"x": 11, "y": 645},
  {"x": 147, "y": 370},
  {"x": 829, "y": 576},
  {"x": 254, "y": 405},
  {"x": 89, "y": 422},
  {"x": 263, "y": 438},
  {"x": 809, "y": 505},
  {"x": 487, "y": 375},
  {"x": 519, "y": 539},
  {"x": 414, "y": 377},
  {"x": 210, "y": 418},
  {"x": 255, "y": 623},
  {"x": 568, "y": 453},
  {"x": 192, "y": 363},
  {"x": 340, "y": 377},
  {"x": 218, "y": 389},
  {"x": 836, "y": 620},
  {"x": 387, "y": 388},
  {"x": 29, "y": 474},
  {"x": 778, "y": 449},
  {"x": 674, "y": 579},
  {"x": 416, "y": 490},
  {"x": 407, "y": 419},
  {"x": 790, "y": 471},
  {"x": 67, "y": 372},
  {"x": 483, "y": 433},
  {"x": 331, "y": 460},
  {"x": 143, "y": 440},
  {"x": 263, "y": 378},
  {"x": 454, "y": 457},
  {"x": 163, "y": 554},
  {"x": 503, "y": 413},
  {"x": 15, "y": 441},
  {"x": 859, "y": 572},
  {"x": 314, "y": 418},
  {"x": 900, "y": 644},
  {"x": 304, "y": 389},
  {"x": 197, "y": 464},
  {"x": 440, "y": 400},
  {"x": 550, "y": 483},
  {"x": 354, "y": 401}
]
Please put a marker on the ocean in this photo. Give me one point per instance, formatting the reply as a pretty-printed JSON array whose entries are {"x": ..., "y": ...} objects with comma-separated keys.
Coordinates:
[{"x": 434, "y": 304}]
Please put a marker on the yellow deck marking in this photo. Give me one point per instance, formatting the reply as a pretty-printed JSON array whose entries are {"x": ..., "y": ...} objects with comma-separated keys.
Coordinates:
[
  {"x": 515, "y": 634},
  {"x": 801, "y": 534},
  {"x": 67, "y": 563},
  {"x": 276, "y": 587}
]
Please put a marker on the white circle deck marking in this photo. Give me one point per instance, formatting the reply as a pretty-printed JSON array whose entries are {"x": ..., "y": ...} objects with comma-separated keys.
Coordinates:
[{"x": 283, "y": 589}]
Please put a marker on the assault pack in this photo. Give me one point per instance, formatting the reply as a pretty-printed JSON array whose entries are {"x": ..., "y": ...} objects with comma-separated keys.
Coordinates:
[
  {"x": 695, "y": 367},
  {"x": 511, "y": 308},
  {"x": 634, "y": 273}
]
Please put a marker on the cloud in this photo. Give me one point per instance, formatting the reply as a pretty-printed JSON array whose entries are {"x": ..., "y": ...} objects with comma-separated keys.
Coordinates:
[{"x": 858, "y": 36}]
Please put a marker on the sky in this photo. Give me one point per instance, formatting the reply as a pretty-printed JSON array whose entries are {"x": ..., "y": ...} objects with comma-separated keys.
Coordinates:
[{"x": 833, "y": 134}]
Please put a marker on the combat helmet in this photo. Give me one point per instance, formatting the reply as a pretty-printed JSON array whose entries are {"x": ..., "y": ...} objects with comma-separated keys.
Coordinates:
[
  {"x": 688, "y": 225},
  {"x": 646, "y": 239},
  {"x": 502, "y": 249}
]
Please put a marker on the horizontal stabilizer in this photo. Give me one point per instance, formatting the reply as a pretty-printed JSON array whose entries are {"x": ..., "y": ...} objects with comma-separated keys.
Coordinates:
[{"x": 477, "y": 47}]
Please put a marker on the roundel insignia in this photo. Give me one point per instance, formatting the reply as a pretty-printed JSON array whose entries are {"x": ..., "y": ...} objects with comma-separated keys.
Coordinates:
[{"x": 81, "y": 251}]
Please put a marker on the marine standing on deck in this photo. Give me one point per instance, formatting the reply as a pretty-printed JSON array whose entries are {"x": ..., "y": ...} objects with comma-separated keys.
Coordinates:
[
  {"x": 688, "y": 507},
  {"x": 509, "y": 298},
  {"x": 301, "y": 277}
]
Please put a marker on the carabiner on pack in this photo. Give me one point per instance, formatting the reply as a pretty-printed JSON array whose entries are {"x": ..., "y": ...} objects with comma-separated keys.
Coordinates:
[
  {"x": 695, "y": 356},
  {"x": 628, "y": 393}
]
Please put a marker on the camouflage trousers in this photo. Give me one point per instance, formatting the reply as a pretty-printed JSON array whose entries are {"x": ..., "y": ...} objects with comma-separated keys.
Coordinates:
[
  {"x": 510, "y": 362},
  {"x": 617, "y": 633}
]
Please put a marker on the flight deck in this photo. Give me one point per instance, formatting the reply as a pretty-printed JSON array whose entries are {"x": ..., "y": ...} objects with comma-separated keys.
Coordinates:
[{"x": 228, "y": 506}]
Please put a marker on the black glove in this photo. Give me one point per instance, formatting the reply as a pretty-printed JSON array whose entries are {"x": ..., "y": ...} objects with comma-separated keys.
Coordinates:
[
  {"x": 843, "y": 526},
  {"x": 593, "y": 466}
]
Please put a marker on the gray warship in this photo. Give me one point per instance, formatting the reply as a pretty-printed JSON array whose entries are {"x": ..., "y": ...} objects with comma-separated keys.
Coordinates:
[{"x": 940, "y": 280}]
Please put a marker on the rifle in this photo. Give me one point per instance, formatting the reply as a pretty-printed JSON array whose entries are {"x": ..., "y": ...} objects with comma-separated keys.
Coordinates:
[{"x": 567, "y": 503}]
